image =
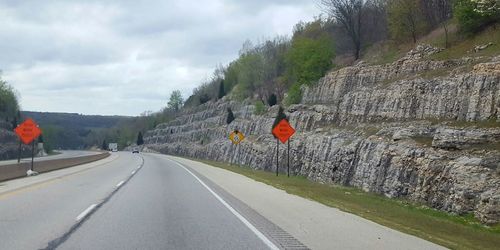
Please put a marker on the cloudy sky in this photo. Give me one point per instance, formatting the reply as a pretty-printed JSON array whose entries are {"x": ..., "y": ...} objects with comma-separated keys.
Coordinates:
[{"x": 125, "y": 57}]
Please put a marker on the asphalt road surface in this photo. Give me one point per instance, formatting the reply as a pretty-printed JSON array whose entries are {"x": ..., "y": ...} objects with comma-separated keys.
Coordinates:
[
  {"x": 151, "y": 201},
  {"x": 131, "y": 202},
  {"x": 62, "y": 154}
]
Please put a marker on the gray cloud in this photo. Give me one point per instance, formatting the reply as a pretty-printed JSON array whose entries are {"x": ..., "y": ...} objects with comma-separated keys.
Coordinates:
[{"x": 124, "y": 57}]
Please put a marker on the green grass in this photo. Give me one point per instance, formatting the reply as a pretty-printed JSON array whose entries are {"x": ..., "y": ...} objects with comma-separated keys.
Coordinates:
[
  {"x": 385, "y": 52},
  {"x": 455, "y": 232},
  {"x": 462, "y": 46},
  {"x": 459, "y": 46}
]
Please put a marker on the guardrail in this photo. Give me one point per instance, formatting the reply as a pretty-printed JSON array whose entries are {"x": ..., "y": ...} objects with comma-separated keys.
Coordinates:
[{"x": 13, "y": 171}]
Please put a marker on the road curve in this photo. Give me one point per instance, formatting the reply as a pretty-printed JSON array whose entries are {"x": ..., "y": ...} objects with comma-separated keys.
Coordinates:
[
  {"x": 118, "y": 206},
  {"x": 150, "y": 201}
]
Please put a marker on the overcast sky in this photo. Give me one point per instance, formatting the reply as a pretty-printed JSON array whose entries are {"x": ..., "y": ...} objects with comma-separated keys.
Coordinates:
[{"x": 125, "y": 57}]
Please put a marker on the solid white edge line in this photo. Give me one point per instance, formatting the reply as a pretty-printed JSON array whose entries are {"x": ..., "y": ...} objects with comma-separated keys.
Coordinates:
[
  {"x": 238, "y": 215},
  {"x": 119, "y": 184},
  {"x": 85, "y": 212}
]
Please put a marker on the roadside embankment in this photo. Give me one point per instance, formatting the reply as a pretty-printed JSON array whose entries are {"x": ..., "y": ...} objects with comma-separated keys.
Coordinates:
[{"x": 8, "y": 172}]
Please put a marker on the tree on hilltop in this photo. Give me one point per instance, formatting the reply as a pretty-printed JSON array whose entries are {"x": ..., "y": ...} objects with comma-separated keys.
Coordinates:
[
  {"x": 140, "y": 140},
  {"x": 175, "y": 102}
]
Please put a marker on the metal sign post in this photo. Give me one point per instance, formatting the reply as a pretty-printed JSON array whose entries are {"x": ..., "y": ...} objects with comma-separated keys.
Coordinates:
[
  {"x": 288, "y": 161},
  {"x": 19, "y": 153},
  {"x": 277, "y": 155},
  {"x": 28, "y": 131},
  {"x": 236, "y": 138},
  {"x": 32, "y": 154},
  {"x": 283, "y": 131}
]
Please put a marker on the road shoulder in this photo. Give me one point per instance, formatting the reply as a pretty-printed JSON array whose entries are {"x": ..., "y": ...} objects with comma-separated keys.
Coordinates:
[{"x": 314, "y": 224}]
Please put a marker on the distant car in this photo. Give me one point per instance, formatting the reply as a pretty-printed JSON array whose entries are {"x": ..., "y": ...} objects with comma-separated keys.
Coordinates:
[{"x": 135, "y": 150}]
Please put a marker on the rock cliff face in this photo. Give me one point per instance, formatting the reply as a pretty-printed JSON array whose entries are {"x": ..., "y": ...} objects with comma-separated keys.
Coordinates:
[
  {"x": 402, "y": 130},
  {"x": 9, "y": 144}
]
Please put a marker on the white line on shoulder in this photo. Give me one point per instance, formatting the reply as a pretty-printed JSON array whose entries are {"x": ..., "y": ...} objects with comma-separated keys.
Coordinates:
[
  {"x": 85, "y": 212},
  {"x": 238, "y": 215},
  {"x": 119, "y": 184}
]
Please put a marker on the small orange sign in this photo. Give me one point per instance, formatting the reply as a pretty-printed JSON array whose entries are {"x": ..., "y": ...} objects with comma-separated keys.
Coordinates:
[
  {"x": 283, "y": 131},
  {"x": 28, "y": 131}
]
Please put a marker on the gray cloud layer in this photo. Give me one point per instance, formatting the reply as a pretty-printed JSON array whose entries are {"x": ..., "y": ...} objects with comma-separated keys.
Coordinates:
[{"x": 124, "y": 57}]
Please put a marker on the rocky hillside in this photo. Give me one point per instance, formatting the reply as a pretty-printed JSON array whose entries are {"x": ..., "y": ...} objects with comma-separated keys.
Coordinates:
[
  {"x": 9, "y": 144},
  {"x": 424, "y": 130}
]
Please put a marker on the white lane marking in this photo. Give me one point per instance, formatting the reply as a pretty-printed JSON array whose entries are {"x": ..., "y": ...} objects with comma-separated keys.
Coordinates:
[
  {"x": 85, "y": 212},
  {"x": 133, "y": 172},
  {"x": 238, "y": 215},
  {"x": 119, "y": 184}
]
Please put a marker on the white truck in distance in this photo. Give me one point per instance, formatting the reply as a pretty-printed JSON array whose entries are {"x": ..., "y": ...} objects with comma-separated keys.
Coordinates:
[{"x": 113, "y": 147}]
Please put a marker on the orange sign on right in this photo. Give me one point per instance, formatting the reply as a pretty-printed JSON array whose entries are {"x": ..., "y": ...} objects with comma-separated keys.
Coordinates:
[{"x": 283, "y": 131}]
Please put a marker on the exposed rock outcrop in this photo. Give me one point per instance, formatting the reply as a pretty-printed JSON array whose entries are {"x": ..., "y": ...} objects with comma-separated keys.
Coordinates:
[
  {"x": 9, "y": 143},
  {"x": 384, "y": 129}
]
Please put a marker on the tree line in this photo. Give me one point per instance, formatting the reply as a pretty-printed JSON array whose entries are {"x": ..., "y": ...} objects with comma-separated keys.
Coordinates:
[
  {"x": 278, "y": 67},
  {"x": 9, "y": 105}
]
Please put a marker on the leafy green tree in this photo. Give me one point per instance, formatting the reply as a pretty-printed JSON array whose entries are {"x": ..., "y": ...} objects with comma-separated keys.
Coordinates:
[
  {"x": 309, "y": 59},
  {"x": 294, "y": 94},
  {"x": 405, "y": 19},
  {"x": 279, "y": 116},
  {"x": 251, "y": 68},
  {"x": 14, "y": 122},
  {"x": 104, "y": 145},
  {"x": 272, "y": 100},
  {"x": 175, "y": 102},
  {"x": 9, "y": 106},
  {"x": 222, "y": 92},
  {"x": 230, "y": 116},
  {"x": 140, "y": 140},
  {"x": 204, "y": 98},
  {"x": 231, "y": 75},
  {"x": 259, "y": 108},
  {"x": 473, "y": 15}
]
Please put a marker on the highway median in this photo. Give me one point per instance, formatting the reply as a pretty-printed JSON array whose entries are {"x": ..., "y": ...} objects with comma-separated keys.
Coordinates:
[{"x": 14, "y": 171}]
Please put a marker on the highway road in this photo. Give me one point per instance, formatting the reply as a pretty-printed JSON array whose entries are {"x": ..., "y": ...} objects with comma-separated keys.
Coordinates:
[
  {"x": 118, "y": 205},
  {"x": 151, "y": 201},
  {"x": 62, "y": 154}
]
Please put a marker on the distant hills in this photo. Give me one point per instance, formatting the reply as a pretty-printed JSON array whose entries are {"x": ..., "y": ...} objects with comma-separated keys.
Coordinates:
[
  {"x": 72, "y": 130},
  {"x": 73, "y": 120}
]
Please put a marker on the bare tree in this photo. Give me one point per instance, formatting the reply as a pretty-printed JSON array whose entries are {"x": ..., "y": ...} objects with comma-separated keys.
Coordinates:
[
  {"x": 349, "y": 14},
  {"x": 441, "y": 13},
  {"x": 405, "y": 19}
]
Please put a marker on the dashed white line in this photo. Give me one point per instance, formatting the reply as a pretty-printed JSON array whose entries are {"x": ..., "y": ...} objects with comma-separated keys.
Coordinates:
[
  {"x": 238, "y": 215},
  {"x": 119, "y": 184},
  {"x": 133, "y": 172},
  {"x": 85, "y": 212}
]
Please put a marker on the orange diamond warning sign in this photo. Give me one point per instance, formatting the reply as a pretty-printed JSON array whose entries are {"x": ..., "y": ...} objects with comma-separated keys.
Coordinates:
[
  {"x": 283, "y": 131},
  {"x": 28, "y": 131}
]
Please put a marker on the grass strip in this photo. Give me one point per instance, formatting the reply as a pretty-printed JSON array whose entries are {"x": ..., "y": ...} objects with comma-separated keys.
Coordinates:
[{"x": 452, "y": 231}]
